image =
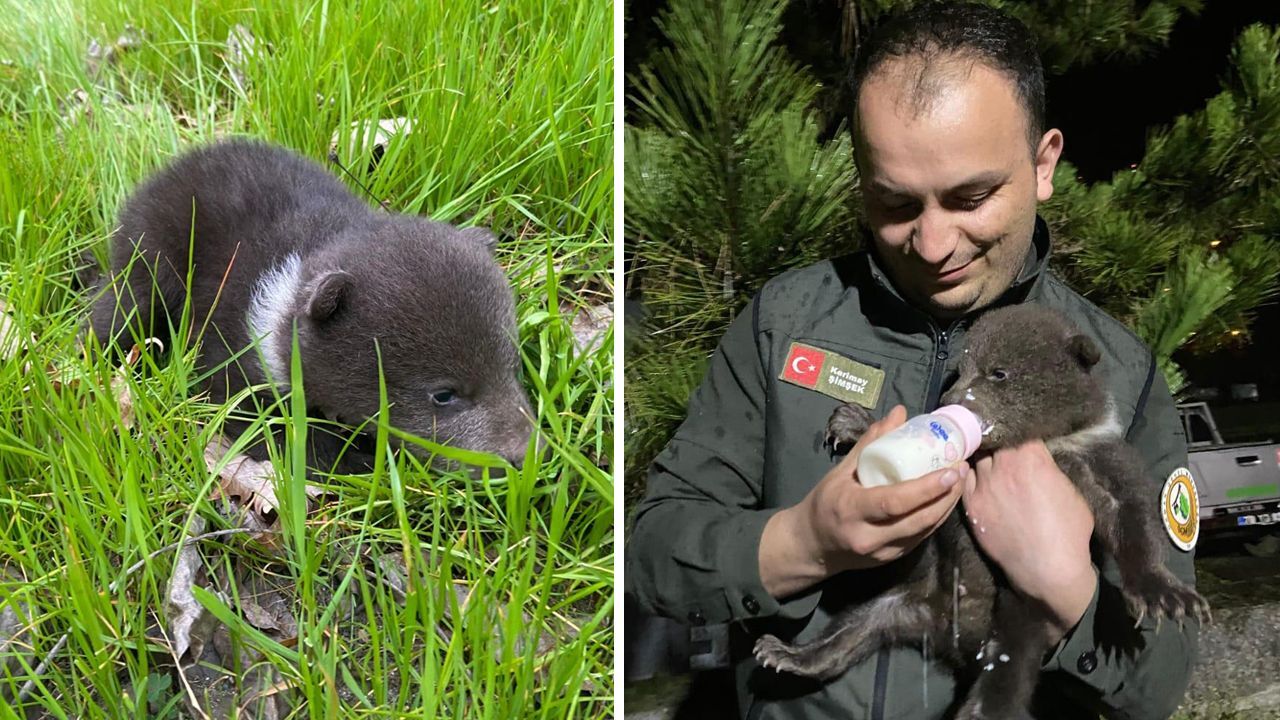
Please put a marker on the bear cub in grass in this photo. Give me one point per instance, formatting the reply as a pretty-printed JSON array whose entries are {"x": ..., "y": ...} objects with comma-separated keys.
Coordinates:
[
  {"x": 1027, "y": 374},
  {"x": 271, "y": 241}
]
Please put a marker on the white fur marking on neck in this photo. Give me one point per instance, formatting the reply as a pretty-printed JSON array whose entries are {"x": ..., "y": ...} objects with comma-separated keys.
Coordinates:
[
  {"x": 269, "y": 314},
  {"x": 1105, "y": 431}
]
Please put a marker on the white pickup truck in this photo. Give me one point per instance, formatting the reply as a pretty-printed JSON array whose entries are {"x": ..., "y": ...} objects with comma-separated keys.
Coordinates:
[{"x": 1238, "y": 483}]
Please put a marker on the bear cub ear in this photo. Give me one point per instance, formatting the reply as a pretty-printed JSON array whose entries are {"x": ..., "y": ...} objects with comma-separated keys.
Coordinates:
[
  {"x": 483, "y": 237},
  {"x": 327, "y": 295},
  {"x": 1084, "y": 350}
]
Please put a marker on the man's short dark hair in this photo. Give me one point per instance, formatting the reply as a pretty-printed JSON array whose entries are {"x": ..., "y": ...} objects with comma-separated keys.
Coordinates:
[{"x": 935, "y": 34}]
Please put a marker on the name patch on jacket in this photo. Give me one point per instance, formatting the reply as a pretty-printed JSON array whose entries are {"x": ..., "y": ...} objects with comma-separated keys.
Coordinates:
[{"x": 834, "y": 375}]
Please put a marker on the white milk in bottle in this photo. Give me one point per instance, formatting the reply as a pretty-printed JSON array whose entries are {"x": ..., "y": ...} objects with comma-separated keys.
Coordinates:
[{"x": 924, "y": 444}]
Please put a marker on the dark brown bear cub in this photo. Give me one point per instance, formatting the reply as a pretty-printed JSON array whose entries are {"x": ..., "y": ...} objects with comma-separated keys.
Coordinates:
[
  {"x": 261, "y": 241},
  {"x": 1027, "y": 374}
]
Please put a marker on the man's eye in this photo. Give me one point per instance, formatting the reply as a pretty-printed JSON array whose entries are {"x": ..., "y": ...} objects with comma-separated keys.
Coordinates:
[
  {"x": 443, "y": 397},
  {"x": 972, "y": 202},
  {"x": 895, "y": 205}
]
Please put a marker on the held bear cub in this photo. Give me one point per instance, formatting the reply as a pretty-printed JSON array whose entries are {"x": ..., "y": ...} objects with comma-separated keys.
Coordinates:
[
  {"x": 1027, "y": 374},
  {"x": 261, "y": 241}
]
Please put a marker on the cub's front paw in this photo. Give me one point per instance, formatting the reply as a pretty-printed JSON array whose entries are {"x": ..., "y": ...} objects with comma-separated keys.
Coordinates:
[{"x": 848, "y": 423}]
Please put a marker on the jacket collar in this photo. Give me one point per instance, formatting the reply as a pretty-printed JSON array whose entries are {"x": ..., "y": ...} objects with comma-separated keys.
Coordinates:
[{"x": 1027, "y": 284}]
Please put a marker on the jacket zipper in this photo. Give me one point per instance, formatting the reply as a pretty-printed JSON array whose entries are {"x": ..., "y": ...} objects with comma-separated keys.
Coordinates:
[
  {"x": 938, "y": 365},
  {"x": 937, "y": 369},
  {"x": 882, "y": 684}
]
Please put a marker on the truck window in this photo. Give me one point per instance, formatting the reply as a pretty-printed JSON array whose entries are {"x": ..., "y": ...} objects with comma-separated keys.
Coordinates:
[{"x": 1198, "y": 429}]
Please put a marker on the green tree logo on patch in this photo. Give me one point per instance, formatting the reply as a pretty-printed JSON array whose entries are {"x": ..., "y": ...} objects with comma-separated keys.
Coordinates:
[{"x": 1182, "y": 504}]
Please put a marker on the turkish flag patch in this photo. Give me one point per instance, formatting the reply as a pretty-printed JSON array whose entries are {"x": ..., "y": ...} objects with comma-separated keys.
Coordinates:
[
  {"x": 804, "y": 365},
  {"x": 833, "y": 374}
]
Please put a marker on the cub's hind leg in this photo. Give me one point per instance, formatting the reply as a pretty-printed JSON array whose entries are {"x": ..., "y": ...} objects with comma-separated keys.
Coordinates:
[
  {"x": 896, "y": 618},
  {"x": 1009, "y": 663},
  {"x": 1126, "y": 525}
]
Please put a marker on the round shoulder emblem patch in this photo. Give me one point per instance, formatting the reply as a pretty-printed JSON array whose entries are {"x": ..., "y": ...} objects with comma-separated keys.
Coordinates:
[{"x": 1180, "y": 509}]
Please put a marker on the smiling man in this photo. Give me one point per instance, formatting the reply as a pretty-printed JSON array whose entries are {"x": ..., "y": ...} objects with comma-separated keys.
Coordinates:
[
  {"x": 750, "y": 519},
  {"x": 951, "y": 184}
]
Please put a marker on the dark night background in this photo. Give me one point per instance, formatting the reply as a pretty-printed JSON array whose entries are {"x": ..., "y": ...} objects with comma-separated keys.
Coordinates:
[{"x": 1104, "y": 110}]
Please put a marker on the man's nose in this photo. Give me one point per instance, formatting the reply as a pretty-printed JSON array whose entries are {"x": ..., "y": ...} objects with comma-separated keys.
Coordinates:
[{"x": 935, "y": 237}]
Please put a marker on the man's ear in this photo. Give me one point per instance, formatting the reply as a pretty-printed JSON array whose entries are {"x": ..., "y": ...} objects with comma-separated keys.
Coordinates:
[
  {"x": 328, "y": 294},
  {"x": 1084, "y": 350},
  {"x": 480, "y": 236},
  {"x": 1046, "y": 160}
]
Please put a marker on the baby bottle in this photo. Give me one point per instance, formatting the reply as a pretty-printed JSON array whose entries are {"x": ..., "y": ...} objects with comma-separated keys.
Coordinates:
[{"x": 924, "y": 444}]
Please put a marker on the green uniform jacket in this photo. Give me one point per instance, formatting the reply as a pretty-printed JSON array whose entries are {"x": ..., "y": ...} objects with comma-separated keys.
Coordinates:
[{"x": 753, "y": 444}]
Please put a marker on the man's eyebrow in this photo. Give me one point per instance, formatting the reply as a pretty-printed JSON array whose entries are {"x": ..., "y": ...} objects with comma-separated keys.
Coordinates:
[
  {"x": 883, "y": 188},
  {"x": 977, "y": 182},
  {"x": 981, "y": 181}
]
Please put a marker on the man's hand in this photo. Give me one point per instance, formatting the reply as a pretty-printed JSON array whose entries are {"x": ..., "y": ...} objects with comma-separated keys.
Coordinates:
[
  {"x": 841, "y": 525},
  {"x": 1029, "y": 518}
]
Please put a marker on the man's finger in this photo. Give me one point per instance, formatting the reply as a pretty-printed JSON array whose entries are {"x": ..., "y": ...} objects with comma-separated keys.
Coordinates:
[
  {"x": 970, "y": 483},
  {"x": 903, "y": 545},
  {"x": 909, "y": 530},
  {"x": 891, "y": 502},
  {"x": 897, "y": 416},
  {"x": 927, "y": 519}
]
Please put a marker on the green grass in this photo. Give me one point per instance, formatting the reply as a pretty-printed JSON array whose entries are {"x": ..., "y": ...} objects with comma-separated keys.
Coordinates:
[{"x": 511, "y": 102}]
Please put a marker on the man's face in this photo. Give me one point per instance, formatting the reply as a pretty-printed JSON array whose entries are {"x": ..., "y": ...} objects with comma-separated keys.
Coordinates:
[{"x": 950, "y": 191}]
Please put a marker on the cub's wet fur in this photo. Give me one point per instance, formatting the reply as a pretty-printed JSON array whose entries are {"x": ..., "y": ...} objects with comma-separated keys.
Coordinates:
[
  {"x": 1027, "y": 373},
  {"x": 270, "y": 241}
]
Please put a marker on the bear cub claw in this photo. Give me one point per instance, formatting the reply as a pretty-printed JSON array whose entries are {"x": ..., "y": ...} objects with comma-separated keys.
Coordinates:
[
  {"x": 1161, "y": 595},
  {"x": 848, "y": 423}
]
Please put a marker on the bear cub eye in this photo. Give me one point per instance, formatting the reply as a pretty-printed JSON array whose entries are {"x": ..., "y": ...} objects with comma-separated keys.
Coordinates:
[
  {"x": 998, "y": 375},
  {"x": 444, "y": 397}
]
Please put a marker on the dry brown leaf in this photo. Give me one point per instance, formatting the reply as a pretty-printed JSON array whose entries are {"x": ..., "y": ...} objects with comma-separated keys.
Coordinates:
[
  {"x": 245, "y": 478},
  {"x": 269, "y": 702},
  {"x": 99, "y": 56},
  {"x": 190, "y": 624},
  {"x": 9, "y": 343},
  {"x": 15, "y": 628},
  {"x": 241, "y": 48},
  {"x": 589, "y": 325},
  {"x": 257, "y": 616},
  {"x": 394, "y": 574},
  {"x": 11, "y": 340},
  {"x": 266, "y": 600},
  {"x": 124, "y": 400},
  {"x": 120, "y": 387}
]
